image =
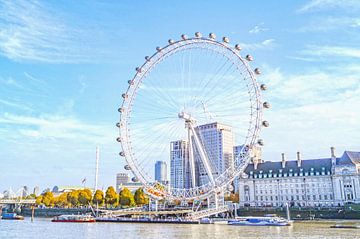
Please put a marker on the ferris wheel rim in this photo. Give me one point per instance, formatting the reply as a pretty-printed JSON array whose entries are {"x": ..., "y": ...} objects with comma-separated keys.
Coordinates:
[{"x": 129, "y": 97}]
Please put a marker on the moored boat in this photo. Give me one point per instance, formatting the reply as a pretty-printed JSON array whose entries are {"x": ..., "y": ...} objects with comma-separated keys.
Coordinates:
[
  {"x": 147, "y": 220},
  {"x": 73, "y": 218},
  {"x": 260, "y": 221},
  {"x": 11, "y": 216}
]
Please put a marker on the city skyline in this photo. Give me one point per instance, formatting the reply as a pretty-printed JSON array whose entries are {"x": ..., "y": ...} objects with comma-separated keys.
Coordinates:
[{"x": 63, "y": 72}]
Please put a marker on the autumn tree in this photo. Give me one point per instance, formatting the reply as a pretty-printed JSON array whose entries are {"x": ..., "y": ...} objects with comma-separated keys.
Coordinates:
[
  {"x": 48, "y": 199},
  {"x": 126, "y": 198},
  {"x": 73, "y": 198},
  {"x": 84, "y": 197},
  {"x": 62, "y": 200},
  {"x": 98, "y": 197},
  {"x": 111, "y": 196},
  {"x": 39, "y": 200},
  {"x": 140, "y": 197}
]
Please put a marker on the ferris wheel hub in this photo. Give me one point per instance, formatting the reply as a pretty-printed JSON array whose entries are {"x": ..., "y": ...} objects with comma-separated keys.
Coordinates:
[{"x": 186, "y": 116}]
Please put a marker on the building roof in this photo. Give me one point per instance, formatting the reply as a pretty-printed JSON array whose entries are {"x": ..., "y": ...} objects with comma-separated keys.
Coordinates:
[
  {"x": 307, "y": 165},
  {"x": 349, "y": 157}
]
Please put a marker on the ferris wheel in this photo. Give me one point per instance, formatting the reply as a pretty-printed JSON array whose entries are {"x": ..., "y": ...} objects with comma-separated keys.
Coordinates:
[{"x": 194, "y": 105}]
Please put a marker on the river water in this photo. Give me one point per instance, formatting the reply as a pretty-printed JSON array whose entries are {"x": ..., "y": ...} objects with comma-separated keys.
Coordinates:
[{"x": 44, "y": 228}]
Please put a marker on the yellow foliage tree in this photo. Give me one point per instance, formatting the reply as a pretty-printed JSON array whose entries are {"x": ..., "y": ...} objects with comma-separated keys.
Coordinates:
[
  {"x": 98, "y": 197},
  {"x": 111, "y": 197}
]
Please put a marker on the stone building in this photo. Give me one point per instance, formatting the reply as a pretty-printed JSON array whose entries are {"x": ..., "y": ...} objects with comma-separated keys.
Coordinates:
[{"x": 329, "y": 181}]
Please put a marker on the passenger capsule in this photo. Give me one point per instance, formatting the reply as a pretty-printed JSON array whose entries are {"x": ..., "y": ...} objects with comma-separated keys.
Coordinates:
[
  {"x": 171, "y": 41},
  {"x": 183, "y": 36},
  {"x": 122, "y": 154},
  {"x": 249, "y": 58},
  {"x": 121, "y": 110},
  {"x": 260, "y": 142},
  {"x": 131, "y": 82},
  {"x": 118, "y": 139},
  {"x": 158, "y": 49},
  {"x": 266, "y": 105},
  {"x": 124, "y": 96},
  {"x": 134, "y": 179},
  {"x": 238, "y": 47},
  {"x": 127, "y": 167},
  {"x": 226, "y": 39},
  {"x": 118, "y": 124},
  {"x": 198, "y": 34},
  {"x": 212, "y": 36},
  {"x": 257, "y": 71},
  {"x": 263, "y": 87},
  {"x": 147, "y": 58},
  {"x": 138, "y": 69},
  {"x": 265, "y": 123}
]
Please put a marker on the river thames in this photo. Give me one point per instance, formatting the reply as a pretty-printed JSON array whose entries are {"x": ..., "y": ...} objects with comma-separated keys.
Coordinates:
[{"x": 44, "y": 228}]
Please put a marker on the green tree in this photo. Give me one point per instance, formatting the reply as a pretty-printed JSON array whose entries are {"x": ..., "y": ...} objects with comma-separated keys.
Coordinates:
[
  {"x": 140, "y": 197},
  {"x": 98, "y": 197},
  {"x": 111, "y": 196},
  {"x": 73, "y": 198},
  {"x": 85, "y": 196},
  {"x": 126, "y": 198}
]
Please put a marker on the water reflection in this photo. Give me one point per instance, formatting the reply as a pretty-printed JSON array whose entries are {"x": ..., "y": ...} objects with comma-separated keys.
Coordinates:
[{"x": 43, "y": 228}]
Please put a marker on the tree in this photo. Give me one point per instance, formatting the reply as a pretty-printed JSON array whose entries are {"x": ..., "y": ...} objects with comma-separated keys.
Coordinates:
[
  {"x": 73, "y": 198},
  {"x": 140, "y": 197},
  {"x": 126, "y": 198},
  {"x": 98, "y": 197},
  {"x": 39, "y": 200},
  {"x": 111, "y": 196},
  {"x": 233, "y": 197},
  {"x": 85, "y": 196},
  {"x": 62, "y": 200},
  {"x": 48, "y": 198}
]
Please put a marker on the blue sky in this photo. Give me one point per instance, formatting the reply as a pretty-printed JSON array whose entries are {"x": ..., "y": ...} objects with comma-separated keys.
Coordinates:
[{"x": 64, "y": 65}]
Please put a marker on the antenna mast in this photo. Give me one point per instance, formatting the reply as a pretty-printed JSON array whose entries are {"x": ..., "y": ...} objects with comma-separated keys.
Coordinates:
[{"x": 96, "y": 168}]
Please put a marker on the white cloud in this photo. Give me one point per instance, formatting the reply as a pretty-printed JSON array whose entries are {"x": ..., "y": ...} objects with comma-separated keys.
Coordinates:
[
  {"x": 312, "y": 111},
  {"x": 266, "y": 44},
  {"x": 258, "y": 29},
  {"x": 340, "y": 51},
  {"x": 56, "y": 127},
  {"x": 12, "y": 104},
  {"x": 330, "y": 23},
  {"x": 313, "y": 5},
  {"x": 33, "y": 31}
]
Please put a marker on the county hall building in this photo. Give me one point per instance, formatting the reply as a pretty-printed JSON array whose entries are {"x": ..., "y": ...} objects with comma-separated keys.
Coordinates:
[{"x": 330, "y": 181}]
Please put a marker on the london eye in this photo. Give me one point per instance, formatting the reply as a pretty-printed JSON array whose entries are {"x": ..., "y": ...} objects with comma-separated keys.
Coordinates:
[{"x": 185, "y": 99}]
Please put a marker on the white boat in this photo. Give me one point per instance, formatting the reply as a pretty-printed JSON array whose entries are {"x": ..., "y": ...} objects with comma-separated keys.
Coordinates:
[
  {"x": 73, "y": 218},
  {"x": 269, "y": 220}
]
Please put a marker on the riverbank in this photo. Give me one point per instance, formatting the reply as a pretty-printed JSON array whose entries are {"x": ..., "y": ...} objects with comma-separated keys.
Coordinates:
[
  {"x": 303, "y": 213},
  {"x": 295, "y": 213},
  {"x": 52, "y": 212}
]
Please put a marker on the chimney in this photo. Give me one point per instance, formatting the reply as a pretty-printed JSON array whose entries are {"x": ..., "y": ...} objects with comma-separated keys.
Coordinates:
[
  {"x": 283, "y": 161},
  {"x": 332, "y": 152},
  {"x": 333, "y": 156},
  {"x": 298, "y": 159}
]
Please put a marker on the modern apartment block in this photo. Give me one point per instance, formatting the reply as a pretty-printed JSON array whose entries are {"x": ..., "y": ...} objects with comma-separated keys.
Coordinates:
[{"x": 161, "y": 172}]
